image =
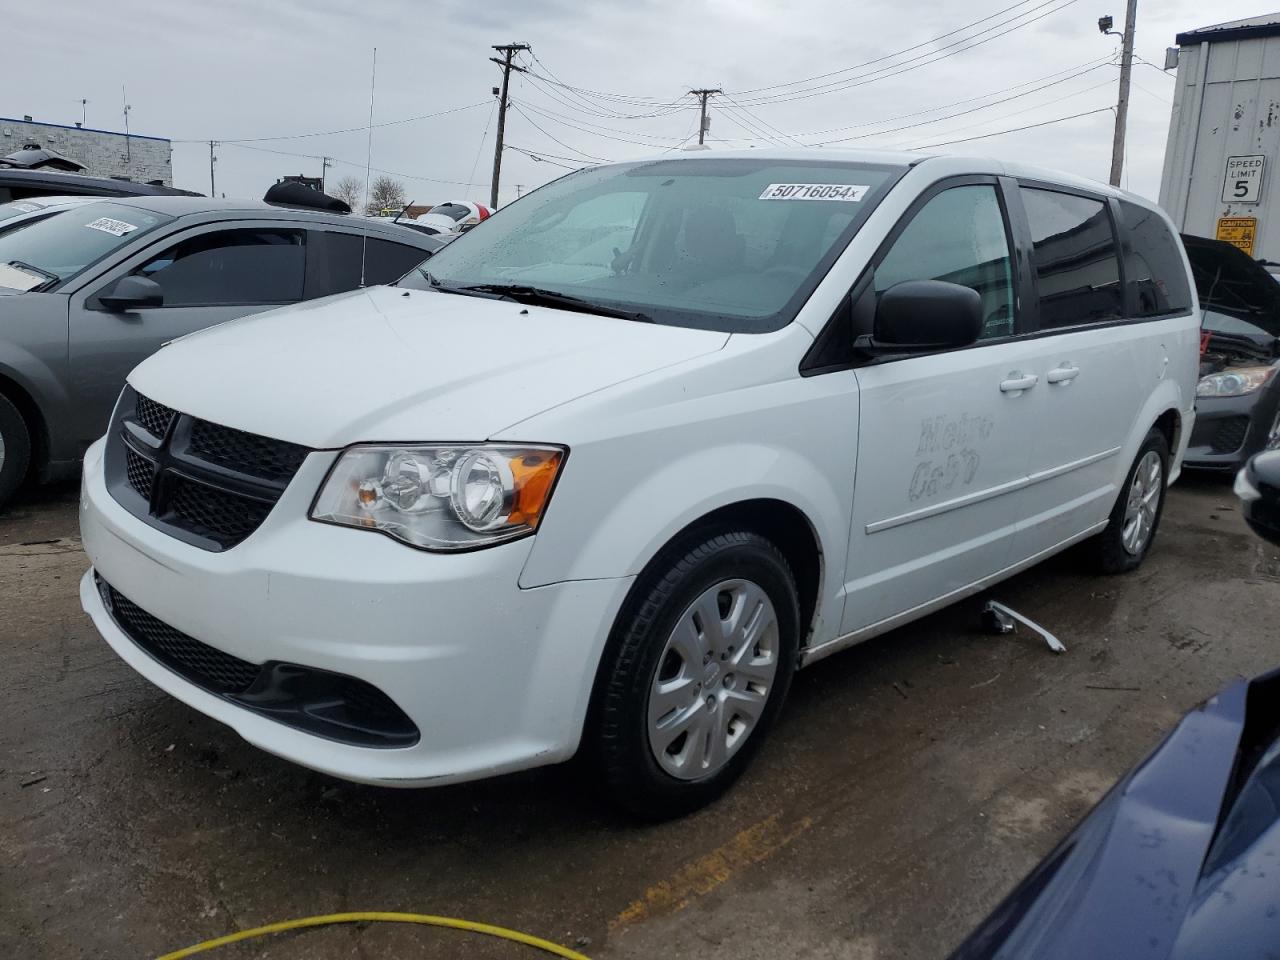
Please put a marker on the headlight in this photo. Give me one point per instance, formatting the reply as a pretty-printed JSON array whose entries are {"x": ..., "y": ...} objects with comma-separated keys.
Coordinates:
[
  {"x": 441, "y": 496},
  {"x": 1235, "y": 382}
]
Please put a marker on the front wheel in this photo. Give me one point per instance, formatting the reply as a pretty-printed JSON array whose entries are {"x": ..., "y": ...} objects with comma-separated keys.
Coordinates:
[
  {"x": 695, "y": 673},
  {"x": 1124, "y": 544},
  {"x": 15, "y": 449}
]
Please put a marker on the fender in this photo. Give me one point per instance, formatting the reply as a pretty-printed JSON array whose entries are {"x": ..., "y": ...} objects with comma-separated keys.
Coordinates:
[
  {"x": 1166, "y": 396},
  {"x": 607, "y": 535},
  {"x": 44, "y": 389}
]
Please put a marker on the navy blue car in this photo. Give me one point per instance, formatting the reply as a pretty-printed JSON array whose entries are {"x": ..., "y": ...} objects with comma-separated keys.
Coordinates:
[{"x": 1181, "y": 860}]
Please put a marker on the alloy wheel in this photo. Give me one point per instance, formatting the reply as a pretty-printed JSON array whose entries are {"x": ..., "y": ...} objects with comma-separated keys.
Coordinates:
[
  {"x": 713, "y": 680},
  {"x": 1144, "y": 500}
]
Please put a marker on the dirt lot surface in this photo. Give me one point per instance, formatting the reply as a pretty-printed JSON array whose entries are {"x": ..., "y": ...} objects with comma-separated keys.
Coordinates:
[{"x": 909, "y": 784}]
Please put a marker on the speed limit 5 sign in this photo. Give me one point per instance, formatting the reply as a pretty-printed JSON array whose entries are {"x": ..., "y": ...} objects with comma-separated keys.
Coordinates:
[{"x": 1243, "y": 180}]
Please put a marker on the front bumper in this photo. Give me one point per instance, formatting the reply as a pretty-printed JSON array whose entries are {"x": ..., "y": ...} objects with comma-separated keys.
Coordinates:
[
  {"x": 1229, "y": 430},
  {"x": 495, "y": 677}
]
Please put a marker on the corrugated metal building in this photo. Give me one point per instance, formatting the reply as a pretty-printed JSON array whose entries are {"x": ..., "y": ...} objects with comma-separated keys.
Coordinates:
[{"x": 1220, "y": 166}]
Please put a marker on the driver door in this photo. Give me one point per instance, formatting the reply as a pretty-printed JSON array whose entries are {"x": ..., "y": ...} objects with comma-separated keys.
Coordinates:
[
  {"x": 944, "y": 439},
  {"x": 208, "y": 275}
]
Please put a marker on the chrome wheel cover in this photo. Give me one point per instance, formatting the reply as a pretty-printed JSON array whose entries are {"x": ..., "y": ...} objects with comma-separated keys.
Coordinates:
[
  {"x": 1144, "y": 500},
  {"x": 714, "y": 677}
]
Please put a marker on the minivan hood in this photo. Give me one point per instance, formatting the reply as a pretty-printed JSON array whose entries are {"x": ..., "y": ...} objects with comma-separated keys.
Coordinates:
[{"x": 388, "y": 364}]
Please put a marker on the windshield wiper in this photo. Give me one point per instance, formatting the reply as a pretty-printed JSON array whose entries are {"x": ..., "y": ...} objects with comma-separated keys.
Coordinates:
[
  {"x": 537, "y": 296},
  {"x": 49, "y": 278}
]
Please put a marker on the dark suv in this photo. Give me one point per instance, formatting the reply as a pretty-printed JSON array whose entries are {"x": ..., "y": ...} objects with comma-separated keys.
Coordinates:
[
  {"x": 87, "y": 294},
  {"x": 1238, "y": 397}
]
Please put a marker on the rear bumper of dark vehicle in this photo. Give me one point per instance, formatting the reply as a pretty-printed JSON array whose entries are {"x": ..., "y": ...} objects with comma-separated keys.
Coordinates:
[{"x": 1229, "y": 430}]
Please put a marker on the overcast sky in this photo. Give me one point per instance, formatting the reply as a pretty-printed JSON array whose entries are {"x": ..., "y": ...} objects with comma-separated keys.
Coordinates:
[{"x": 240, "y": 69}]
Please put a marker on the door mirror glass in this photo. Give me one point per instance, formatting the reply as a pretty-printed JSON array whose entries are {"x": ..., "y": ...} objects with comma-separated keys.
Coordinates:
[
  {"x": 927, "y": 315},
  {"x": 132, "y": 293}
]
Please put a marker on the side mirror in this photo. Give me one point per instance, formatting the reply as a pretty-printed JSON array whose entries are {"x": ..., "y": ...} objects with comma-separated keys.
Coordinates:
[
  {"x": 1258, "y": 487},
  {"x": 131, "y": 293},
  {"x": 921, "y": 315}
]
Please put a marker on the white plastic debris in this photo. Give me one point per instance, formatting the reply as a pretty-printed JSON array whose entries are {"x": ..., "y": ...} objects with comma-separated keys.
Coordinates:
[{"x": 998, "y": 616}]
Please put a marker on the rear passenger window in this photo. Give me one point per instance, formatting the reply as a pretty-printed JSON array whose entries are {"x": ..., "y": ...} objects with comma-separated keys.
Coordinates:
[
  {"x": 226, "y": 267},
  {"x": 1074, "y": 258},
  {"x": 1153, "y": 269},
  {"x": 959, "y": 237},
  {"x": 384, "y": 261}
]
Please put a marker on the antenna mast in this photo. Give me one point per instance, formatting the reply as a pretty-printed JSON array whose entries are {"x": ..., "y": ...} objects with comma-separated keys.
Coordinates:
[{"x": 368, "y": 160}]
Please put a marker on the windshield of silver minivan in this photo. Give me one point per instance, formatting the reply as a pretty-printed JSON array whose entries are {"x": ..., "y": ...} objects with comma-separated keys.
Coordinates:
[
  {"x": 57, "y": 248},
  {"x": 731, "y": 244}
]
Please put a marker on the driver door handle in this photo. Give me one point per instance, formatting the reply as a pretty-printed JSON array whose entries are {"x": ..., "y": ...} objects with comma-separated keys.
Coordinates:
[
  {"x": 1017, "y": 383},
  {"x": 1063, "y": 374}
]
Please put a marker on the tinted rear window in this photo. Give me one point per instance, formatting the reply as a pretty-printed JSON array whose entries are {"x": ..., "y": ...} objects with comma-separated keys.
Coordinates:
[
  {"x": 1153, "y": 268},
  {"x": 384, "y": 261},
  {"x": 1075, "y": 258}
]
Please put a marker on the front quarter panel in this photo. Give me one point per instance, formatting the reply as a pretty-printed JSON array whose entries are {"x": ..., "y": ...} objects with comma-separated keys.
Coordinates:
[
  {"x": 648, "y": 459},
  {"x": 33, "y": 355}
]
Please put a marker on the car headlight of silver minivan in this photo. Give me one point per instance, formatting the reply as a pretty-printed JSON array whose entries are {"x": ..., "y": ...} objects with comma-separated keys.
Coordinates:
[
  {"x": 1234, "y": 382},
  {"x": 441, "y": 496}
]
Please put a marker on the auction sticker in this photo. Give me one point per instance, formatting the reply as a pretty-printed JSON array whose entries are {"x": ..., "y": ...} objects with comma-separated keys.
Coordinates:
[
  {"x": 117, "y": 228},
  {"x": 814, "y": 191}
]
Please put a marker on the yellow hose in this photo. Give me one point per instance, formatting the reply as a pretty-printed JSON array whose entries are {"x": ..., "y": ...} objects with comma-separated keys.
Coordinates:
[{"x": 380, "y": 917}]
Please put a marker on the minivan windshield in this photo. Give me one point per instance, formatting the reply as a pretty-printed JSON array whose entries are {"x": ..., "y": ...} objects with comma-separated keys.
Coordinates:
[
  {"x": 42, "y": 253},
  {"x": 730, "y": 244}
]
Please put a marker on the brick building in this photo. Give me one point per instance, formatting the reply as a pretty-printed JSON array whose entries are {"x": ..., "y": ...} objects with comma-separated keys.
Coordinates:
[{"x": 104, "y": 153}]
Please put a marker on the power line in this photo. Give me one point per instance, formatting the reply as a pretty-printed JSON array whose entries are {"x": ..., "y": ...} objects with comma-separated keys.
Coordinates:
[
  {"x": 351, "y": 163},
  {"x": 962, "y": 113},
  {"x": 1000, "y": 133},
  {"x": 539, "y": 158},
  {"x": 603, "y": 136},
  {"x": 554, "y": 139},
  {"x": 762, "y": 122},
  {"x": 912, "y": 63},
  {"x": 329, "y": 133},
  {"x": 887, "y": 56},
  {"x": 1018, "y": 113},
  {"x": 582, "y": 124}
]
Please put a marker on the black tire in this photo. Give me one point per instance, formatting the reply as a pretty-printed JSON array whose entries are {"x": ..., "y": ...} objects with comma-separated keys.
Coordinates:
[
  {"x": 17, "y": 449},
  {"x": 617, "y": 735},
  {"x": 1109, "y": 553}
]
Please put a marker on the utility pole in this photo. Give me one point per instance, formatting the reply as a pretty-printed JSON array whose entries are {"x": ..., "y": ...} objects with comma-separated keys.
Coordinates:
[
  {"x": 508, "y": 51},
  {"x": 1126, "y": 68},
  {"x": 128, "y": 147},
  {"x": 702, "y": 123},
  {"x": 84, "y": 112},
  {"x": 212, "y": 190},
  {"x": 325, "y": 164}
]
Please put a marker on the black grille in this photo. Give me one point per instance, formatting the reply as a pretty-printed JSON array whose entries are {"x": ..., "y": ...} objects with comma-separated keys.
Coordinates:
[
  {"x": 200, "y": 663},
  {"x": 245, "y": 452},
  {"x": 1230, "y": 434},
  {"x": 226, "y": 518},
  {"x": 154, "y": 417},
  {"x": 333, "y": 705},
  {"x": 140, "y": 472},
  {"x": 204, "y": 483}
]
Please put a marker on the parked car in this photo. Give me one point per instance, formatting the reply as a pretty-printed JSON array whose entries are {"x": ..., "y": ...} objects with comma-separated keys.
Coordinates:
[
  {"x": 537, "y": 499},
  {"x": 1238, "y": 397},
  {"x": 1177, "y": 861},
  {"x": 87, "y": 294},
  {"x": 453, "y": 217},
  {"x": 17, "y": 213},
  {"x": 17, "y": 184}
]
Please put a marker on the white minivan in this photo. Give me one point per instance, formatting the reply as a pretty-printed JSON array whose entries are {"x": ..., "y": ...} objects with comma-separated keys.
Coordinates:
[{"x": 605, "y": 471}]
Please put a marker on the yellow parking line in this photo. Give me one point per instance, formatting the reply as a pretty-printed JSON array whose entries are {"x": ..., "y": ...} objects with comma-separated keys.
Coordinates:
[{"x": 701, "y": 876}]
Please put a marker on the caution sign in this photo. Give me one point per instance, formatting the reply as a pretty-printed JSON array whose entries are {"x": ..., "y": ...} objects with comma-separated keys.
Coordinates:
[{"x": 1239, "y": 231}]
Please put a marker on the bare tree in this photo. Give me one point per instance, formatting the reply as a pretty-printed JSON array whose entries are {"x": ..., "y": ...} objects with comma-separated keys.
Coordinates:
[
  {"x": 348, "y": 190},
  {"x": 387, "y": 193}
]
